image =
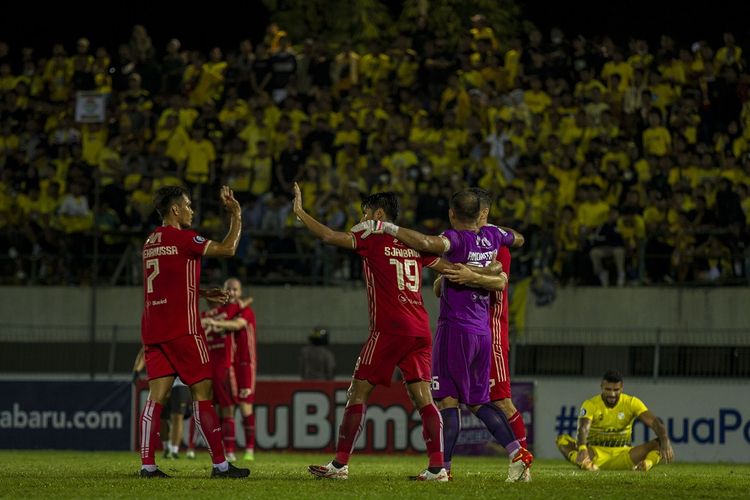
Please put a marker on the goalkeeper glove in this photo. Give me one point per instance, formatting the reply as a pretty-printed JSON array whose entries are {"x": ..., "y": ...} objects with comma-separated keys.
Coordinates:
[{"x": 369, "y": 227}]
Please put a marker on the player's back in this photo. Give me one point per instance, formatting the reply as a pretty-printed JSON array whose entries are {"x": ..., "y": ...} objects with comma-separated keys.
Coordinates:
[
  {"x": 611, "y": 426},
  {"x": 463, "y": 306},
  {"x": 393, "y": 277},
  {"x": 171, "y": 276}
]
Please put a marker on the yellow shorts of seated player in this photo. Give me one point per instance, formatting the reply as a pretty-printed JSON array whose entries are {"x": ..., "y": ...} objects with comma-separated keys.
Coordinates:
[{"x": 612, "y": 457}]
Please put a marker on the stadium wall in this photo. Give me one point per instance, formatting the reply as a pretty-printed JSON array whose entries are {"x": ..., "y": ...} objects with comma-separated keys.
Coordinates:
[{"x": 592, "y": 314}]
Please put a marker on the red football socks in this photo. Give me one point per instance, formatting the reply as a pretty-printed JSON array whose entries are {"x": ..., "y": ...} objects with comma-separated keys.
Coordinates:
[
  {"x": 150, "y": 431},
  {"x": 519, "y": 429},
  {"x": 210, "y": 428},
  {"x": 432, "y": 432},
  {"x": 248, "y": 423},
  {"x": 351, "y": 425}
]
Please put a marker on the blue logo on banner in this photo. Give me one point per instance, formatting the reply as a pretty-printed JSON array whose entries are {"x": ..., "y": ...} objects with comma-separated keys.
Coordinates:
[{"x": 65, "y": 415}]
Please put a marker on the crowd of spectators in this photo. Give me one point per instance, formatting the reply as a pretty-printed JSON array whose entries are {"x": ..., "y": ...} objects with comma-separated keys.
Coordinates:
[{"x": 620, "y": 164}]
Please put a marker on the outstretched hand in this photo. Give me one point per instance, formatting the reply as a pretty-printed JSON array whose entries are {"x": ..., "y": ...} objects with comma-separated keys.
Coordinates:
[
  {"x": 230, "y": 203},
  {"x": 666, "y": 451},
  {"x": 297, "y": 206}
]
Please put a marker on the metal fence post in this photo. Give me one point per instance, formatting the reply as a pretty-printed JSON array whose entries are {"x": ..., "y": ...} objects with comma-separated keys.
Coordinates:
[
  {"x": 657, "y": 354},
  {"x": 112, "y": 351}
]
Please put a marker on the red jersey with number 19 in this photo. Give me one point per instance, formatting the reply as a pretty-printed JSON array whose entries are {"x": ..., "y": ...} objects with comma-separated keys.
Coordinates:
[
  {"x": 171, "y": 276},
  {"x": 393, "y": 277}
]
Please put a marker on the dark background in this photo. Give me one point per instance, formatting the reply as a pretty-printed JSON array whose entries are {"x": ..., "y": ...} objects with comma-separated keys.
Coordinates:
[{"x": 202, "y": 25}]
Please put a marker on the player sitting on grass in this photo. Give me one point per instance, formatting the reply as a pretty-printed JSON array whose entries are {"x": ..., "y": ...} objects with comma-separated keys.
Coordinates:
[{"x": 605, "y": 425}]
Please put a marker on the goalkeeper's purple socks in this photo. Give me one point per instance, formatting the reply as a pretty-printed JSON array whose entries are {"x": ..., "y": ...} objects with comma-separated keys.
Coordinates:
[
  {"x": 499, "y": 427},
  {"x": 451, "y": 429}
]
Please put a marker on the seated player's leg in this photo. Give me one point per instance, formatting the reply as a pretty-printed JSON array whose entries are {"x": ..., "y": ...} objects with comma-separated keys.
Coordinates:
[
  {"x": 567, "y": 446},
  {"x": 611, "y": 457},
  {"x": 415, "y": 367},
  {"x": 161, "y": 375},
  {"x": 645, "y": 455}
]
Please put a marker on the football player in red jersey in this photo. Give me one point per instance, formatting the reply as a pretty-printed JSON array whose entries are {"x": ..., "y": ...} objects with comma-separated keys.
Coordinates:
[
  {"x": 399, "y": 331},
  {"x": 239, "y": 324},
  {"x": 173, "y": 339}
]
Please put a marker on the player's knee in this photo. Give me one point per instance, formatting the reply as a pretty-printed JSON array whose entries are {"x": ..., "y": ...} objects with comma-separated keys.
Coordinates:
[{"x": 506, "y": 406}]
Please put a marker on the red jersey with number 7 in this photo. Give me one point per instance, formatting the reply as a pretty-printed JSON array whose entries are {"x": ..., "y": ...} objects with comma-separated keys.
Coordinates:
[
  {"x": 171, "y": 278},
  {"x": 393, "y": 278}
]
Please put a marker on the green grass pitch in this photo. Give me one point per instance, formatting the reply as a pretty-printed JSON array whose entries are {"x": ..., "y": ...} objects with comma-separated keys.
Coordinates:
[{"x": 56, "y": 474}]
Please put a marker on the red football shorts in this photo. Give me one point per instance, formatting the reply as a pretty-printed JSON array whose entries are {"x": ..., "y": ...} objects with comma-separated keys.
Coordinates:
[
  {"x": 499, "y": 373},
  {"x": 382, "y": 353},
  {"x": 225, "y": 385},
  {"x": 186, "y": 356},
  {"x": 245, "y": 373}
]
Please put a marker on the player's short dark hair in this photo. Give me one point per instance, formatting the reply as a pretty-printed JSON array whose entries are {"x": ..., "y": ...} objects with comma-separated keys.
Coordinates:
[
  {"x": 386, "y": 200},
  {"x": 465, "y": 206},
  {"x": 612, "y": 376},
  {"x": 166, "y": 196},
  {"x": 485, "y": 197}
]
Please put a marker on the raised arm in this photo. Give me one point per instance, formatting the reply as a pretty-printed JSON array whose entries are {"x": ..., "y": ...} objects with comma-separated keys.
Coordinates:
[
  {"x": 325, "y": 233},
  {"x": 411, "y": 238},
  {"x": 228, "y": 246},
  {"x": 518, "y": 239},
  {"x": 656, "y": 425},
  {"x": 228, "y": 324}
]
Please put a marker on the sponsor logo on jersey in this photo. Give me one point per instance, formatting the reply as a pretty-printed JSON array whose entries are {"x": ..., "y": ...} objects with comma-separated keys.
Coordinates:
[{"x": 199, "y": 239}]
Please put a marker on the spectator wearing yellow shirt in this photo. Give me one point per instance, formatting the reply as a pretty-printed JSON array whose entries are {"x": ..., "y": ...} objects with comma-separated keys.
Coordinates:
[
  {"x": 210, "y": 80},
  {"x": 93, "y": 140},
  {"x": 586, "y": 84},
  {"x": 345, "y": 69},
  {"x": 200, "y": 158},
  {"x": 348, "y": 133},
  {"x": 262, "y": 170},
  {"x": 236, "y": 166},
  {"x": 234, "y": 109},
  {"x": 567, "y": 238},
  {"x": 656, "y": 139},
  {"x": 592, "y": 211},
  {"x": 401, "y": 158},
  {"x": 632, "y": 228},
  {"x": 618, "y": 66},
  {"x": 75, "y": 214},
  {"x": 729, "y": 55},
  {"x": 535, "y": 98}
]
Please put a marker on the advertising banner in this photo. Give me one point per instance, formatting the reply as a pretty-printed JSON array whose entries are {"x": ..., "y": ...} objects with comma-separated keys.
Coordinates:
[
  {"x": 304, "y": 416},
  {"x": 706, "y": 421},
  {"x": 65, "y": 415}
]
